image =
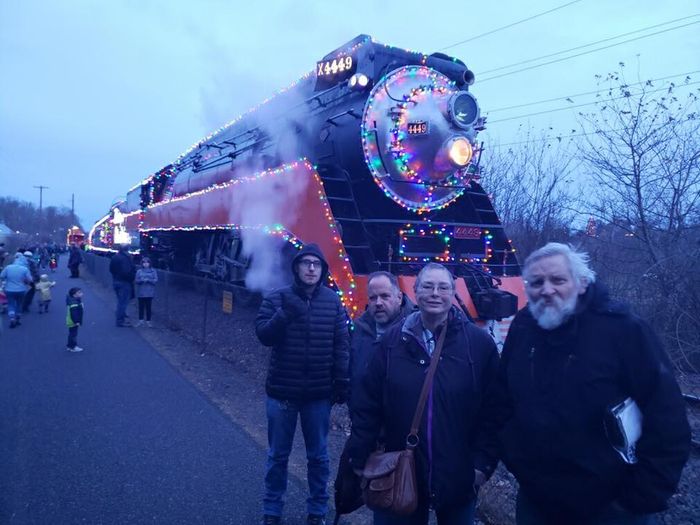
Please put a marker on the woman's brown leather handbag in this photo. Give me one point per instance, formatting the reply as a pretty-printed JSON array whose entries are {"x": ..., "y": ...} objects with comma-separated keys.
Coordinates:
[{"x": 389, "y": 478}]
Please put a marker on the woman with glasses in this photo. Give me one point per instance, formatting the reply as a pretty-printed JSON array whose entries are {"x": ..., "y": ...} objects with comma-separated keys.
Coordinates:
[{"x": 452, "y": 456}]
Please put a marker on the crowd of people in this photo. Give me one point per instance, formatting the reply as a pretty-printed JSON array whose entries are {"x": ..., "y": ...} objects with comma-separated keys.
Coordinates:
[
  {"x": 21, "y": 281},
  {"x": 581, "y": 406}
]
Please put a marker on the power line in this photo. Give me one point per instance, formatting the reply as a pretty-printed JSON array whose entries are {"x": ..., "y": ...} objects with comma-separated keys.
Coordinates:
[
  {"x": 565, "y": 97},
  {"x": 587, "y": 52},
  {"x": 508, "y": 26},
  {"x": 582, "y": 105},
  {"x": 587, "y": 45}
]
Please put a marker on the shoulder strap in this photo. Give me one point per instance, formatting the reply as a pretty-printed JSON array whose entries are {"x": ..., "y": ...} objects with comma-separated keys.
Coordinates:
[{"x": 412, "y": 438}]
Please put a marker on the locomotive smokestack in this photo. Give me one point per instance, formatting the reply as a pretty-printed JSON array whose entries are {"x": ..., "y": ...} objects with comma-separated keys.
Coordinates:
[{"x": 469, "y": 77}]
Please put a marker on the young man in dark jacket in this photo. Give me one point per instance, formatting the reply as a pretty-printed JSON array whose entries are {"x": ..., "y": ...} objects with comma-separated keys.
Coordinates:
[
  {"x": 450, "y": 462},
  {"x": 386, "y": 306},
  {"x": 570, "y": 357},
  {"x": 307, "y": 328},
  {"x": 123, "y": 272}
]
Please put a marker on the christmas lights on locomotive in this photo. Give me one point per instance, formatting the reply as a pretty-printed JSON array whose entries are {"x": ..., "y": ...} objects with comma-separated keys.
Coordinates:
[{"x": 372, "y": 155}]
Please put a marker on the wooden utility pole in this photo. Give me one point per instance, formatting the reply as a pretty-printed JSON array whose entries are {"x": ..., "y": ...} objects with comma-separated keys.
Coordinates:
[{"x": 41, "y": 196}]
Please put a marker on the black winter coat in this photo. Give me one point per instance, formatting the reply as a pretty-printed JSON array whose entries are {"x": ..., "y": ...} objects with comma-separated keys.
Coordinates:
[
  {"x": 75, "y": 257},
  {"x": 554, "y": 390},
  {"x": 310, "y": 352},
  {"x": 122, "y": 268},
  {"x": 364, "y": 342},
  {"x": 452, "y": 431}
]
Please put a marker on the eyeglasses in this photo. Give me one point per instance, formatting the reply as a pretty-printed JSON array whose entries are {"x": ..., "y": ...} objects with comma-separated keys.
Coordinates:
[
  {"x": 442, "y": 289},
  {"x": 306, "y": 264}
]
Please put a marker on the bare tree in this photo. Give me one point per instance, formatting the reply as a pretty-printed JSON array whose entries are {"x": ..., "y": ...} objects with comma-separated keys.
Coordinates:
[
  {"x": 641, "y": 148},
  {"x": 531, "y": 184}
]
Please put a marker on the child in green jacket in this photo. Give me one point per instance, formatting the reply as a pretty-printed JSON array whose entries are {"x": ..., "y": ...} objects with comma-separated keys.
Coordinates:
[{"x": 74, "y": 317}]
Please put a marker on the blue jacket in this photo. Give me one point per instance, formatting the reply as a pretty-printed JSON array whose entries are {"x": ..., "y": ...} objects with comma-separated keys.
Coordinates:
[
  {"x": 16, "y": 277},
  {"x": 146, "y": 279}
]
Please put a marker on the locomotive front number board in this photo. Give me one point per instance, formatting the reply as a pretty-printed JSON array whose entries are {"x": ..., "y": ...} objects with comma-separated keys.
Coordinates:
[
  {"x": 336, "y": 69},
  {"x": 418, "y": 128}
]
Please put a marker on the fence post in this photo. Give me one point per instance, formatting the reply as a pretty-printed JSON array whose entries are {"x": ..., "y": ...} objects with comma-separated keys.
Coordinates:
[{"x": 204, "y": 320}]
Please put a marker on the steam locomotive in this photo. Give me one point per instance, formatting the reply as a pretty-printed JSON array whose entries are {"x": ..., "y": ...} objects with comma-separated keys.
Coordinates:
[{"x": 373, "y": 155}]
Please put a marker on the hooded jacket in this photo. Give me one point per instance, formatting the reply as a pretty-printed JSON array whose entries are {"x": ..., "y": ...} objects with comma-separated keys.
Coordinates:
[
  {"x": 452, "y": 431},
  {"x": 364, "y": 341},
  {"x": 16, "y": 276},
  {"x": 74, "y": 311},
  {"x": 310, "y": 342},
  {"x": 554, "y": 391},
  {"x": 44, "y": 288}
]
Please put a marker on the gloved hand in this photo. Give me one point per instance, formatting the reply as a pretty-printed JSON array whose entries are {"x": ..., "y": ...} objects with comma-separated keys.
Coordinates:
[
  {"x": 293, "y": 306},
  {"x": 341, "y": 390}
]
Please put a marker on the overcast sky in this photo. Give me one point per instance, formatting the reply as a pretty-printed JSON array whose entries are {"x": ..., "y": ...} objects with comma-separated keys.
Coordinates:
[{"x": 95, "y": 95}]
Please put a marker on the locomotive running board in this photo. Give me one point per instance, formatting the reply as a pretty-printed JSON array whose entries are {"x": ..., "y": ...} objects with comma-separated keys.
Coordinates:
[{"x": 275, "y": 201}]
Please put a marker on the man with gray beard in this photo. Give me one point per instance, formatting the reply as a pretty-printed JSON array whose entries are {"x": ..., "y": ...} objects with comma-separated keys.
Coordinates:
[{"x": 574, "y": 367}]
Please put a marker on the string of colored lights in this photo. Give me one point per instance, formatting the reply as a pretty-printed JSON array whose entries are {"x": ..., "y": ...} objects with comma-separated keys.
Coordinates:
[
  {"x": 291, "y": 86},
  {"x": 346, "y": 296},
  {"x": 379, "y": 103}
]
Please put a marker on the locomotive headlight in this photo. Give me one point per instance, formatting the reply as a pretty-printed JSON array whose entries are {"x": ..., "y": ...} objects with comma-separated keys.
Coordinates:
[
  {"x": 459, "y": 150},
  {"x": 463, "y": 109},
  {"x": 358, "y": 81}
]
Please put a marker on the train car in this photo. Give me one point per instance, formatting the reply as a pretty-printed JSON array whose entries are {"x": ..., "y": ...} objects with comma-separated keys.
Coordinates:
[
  {"x": 373, "y": 155},
  {"x": 75, "y": 235}
]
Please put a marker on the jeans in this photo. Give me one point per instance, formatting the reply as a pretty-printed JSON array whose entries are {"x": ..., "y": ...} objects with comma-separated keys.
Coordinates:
[
  {"x": 72, "y": 337},
  {"x": 14, "y": 304},
  {"x": 462, "y": 515},
  {"x": 123, "y": 291},
  {"x": 527, "y": 513},
  {"x": 281, "y": 425}
]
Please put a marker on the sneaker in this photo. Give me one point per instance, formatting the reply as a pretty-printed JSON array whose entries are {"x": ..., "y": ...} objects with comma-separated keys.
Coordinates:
[
  {"x": 269, "y": 519},
  {"x": 139, "y": 323},
  {"x": 149, "y": 324},
  {"x": 75, "y": 349},
  {"x": 316, "y": 519}
]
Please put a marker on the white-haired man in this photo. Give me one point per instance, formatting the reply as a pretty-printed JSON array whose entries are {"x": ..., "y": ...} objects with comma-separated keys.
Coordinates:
[{"x": 570, "y": 358}]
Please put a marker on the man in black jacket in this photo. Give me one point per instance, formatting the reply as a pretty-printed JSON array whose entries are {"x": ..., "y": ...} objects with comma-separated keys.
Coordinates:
[
  {"x": 451, "y": 462},
  {"x": 123, "y": 272},
  {"x": 386, "y": 306},
  {"x": 570, "y": 357},
  {"x": 307, "y": 328}
]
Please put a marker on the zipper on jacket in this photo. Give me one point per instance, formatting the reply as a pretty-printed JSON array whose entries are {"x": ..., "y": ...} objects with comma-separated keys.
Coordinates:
[
  {"x": 532, "y": 364},
  {"x": 308, "y": 341}
]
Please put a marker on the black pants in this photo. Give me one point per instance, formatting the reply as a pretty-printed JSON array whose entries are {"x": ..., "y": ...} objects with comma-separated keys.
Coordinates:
[
  {"x": 28, "y": 297},
  {"x": 74, "y": 270},
  {"x": 72, "y": 337},
  {"x": 145, "y": 305}
]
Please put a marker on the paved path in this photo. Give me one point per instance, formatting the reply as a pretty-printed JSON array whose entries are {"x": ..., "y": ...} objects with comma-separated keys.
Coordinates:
[{"x": 114, "y": 434}]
